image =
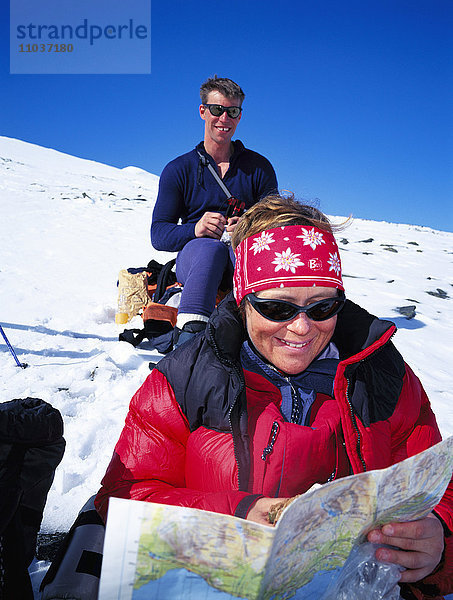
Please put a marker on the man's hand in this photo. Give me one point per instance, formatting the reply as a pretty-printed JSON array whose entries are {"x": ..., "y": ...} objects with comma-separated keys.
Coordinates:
[
  {"x": 231, "y": 225},
  {"x": 259, "y": 513},
  {"x": 210, "y": 225},
  {"x": 419, "y": 546}
]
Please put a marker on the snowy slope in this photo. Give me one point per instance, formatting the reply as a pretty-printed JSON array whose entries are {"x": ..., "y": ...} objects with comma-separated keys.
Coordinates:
[{"x": 69, "y": 225}]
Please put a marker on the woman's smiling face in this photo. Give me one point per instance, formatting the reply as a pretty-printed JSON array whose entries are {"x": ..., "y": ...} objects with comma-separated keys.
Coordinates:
[{"x": 291, "y": 345}]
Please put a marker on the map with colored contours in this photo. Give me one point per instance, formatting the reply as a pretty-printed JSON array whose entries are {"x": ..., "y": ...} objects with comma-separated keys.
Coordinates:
[{"x": 162, "y": 552}]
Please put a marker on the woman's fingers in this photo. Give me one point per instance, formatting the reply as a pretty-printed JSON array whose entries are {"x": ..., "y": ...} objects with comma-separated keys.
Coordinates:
[{"x": 417, "y": 546}]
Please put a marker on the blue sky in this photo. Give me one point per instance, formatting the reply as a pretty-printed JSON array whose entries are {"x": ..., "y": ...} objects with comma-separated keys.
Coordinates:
[{"x": 351, "y": 101}]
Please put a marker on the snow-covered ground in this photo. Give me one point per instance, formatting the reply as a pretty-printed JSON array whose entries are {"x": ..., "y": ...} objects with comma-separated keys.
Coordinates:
[{"x": 69, "y": 225}]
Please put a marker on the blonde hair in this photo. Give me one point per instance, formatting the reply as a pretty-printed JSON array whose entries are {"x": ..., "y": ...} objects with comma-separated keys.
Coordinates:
[{"x": 275, "y": 211}]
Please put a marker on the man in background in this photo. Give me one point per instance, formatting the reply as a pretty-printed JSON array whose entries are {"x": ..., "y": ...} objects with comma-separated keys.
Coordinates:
[{"x": 190, "y": 212}]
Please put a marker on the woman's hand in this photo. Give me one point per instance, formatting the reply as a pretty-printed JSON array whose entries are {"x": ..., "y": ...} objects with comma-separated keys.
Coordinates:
[
  {"x": 419, "y": 546},
  {"x": 259, "y": 513}
]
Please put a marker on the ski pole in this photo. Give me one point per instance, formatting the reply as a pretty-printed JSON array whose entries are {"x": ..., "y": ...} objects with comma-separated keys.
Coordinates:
[{"x": 11, "y": 349}]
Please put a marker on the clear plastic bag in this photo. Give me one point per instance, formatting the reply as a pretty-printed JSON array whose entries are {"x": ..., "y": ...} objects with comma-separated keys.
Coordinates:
[{"x": 363, "y": 577}]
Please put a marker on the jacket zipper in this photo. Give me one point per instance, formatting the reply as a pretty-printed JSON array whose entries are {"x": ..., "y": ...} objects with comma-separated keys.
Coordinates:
[
  {"x": 295, "y": 409},
  {"x": 351, "y": 410},
  {"x": 356, "y": 428},
  {"x": 233, "y": 366},
  {"x": 294, "y": 397},
  {"x": 270, "y": 444}
]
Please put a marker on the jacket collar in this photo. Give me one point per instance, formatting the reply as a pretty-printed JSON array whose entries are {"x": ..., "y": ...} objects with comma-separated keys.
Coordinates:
[
  {"x": 225, "y": 329},
  {"x": 238, "y": 148},
  {"x": 357, "y": 330}
]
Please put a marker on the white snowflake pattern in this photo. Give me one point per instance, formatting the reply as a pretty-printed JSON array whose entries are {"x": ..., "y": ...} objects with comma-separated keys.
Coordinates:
[
  {"x": 312, "y": 238},
  {"x": 262, "y": 242},
  {"x": 334, "y": 262},
  {"x": 287, "y": 260}
]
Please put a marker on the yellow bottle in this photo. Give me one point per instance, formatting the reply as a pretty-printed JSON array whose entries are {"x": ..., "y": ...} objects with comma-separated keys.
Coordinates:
[{"x": 121, "y": 318}]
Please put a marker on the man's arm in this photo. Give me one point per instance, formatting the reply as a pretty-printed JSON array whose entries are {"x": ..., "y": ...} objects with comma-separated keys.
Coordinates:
[{"x": 166, "y": 233}]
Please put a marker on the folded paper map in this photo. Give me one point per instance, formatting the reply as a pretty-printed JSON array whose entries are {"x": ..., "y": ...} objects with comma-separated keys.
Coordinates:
[{"x": 161, "y": 552}]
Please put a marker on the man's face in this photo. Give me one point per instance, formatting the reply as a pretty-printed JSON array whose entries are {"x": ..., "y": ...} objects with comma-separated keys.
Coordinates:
[{"x": 219, "y": 129}]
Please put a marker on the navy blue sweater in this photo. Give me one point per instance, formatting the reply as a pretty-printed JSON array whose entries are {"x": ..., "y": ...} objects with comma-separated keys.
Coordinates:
[{"x": 187, "y": 190}]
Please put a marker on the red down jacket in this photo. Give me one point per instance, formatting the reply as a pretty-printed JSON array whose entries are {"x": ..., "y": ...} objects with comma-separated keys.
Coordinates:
[{"x": 197, "y": 428}]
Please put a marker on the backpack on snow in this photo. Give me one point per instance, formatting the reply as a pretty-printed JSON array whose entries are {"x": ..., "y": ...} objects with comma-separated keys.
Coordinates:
[
  {"x": 138, "y": 286},
  {"x": 31, "y": 447},
  {"x": 160, "y": 312},
  {"x": 160, "y": 309}
]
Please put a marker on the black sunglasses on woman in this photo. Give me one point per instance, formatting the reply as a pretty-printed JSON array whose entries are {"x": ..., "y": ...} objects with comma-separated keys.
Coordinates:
[{"x": 282, "y": 310}]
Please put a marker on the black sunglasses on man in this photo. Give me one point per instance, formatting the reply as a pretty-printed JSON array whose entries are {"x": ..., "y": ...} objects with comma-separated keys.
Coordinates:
[{"x": 217, "y": 110}]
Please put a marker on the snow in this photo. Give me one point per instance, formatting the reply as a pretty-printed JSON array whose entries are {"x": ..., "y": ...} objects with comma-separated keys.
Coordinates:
[{"x": 69, "y": 225}]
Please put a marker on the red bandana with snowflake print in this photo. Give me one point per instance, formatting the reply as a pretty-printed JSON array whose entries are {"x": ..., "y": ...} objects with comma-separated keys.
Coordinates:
[{"x": 292, "y": 256}]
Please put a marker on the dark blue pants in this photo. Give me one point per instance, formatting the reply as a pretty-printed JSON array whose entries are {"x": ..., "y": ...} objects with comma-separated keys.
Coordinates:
[{"x": 200, "y": 267}]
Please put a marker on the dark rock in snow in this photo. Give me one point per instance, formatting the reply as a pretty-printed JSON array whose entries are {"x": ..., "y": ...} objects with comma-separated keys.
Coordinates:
[
  {"x": 406, "y": 311},
  {"x": 438, "y": 293}
]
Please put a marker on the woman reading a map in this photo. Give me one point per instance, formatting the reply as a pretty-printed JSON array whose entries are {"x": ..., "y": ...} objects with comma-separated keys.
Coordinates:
[{"x": 290, "y": 385}]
